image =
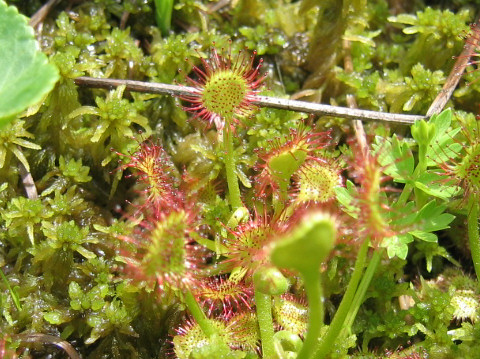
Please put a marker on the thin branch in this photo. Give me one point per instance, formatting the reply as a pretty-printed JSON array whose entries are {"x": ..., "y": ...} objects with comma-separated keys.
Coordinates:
[
  {"x": 352, "y": 102},
  {"x": 455, "y": 74},
  {"x": 48, "y": 339},
  {"x": 28, "y": 182},
  {"x": 262, "y": 101},
  {"x": 40, "y": 15}
]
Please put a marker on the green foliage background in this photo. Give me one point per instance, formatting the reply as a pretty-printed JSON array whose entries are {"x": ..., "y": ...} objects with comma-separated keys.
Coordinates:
[{"x": 59, "y": 252}]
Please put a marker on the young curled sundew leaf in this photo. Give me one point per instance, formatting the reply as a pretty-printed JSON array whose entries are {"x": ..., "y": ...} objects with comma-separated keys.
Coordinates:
[{"x": 153, "y": 167}]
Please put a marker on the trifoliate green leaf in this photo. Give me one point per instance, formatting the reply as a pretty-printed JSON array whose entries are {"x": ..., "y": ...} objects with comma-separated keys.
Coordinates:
[{"x": 397, "y": 245}]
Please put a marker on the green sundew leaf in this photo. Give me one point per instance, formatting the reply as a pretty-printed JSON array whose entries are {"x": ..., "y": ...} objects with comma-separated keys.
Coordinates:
[
  {"x": 397, "y": 245},
  {"x": 25, "y": 74},
  {"x": 432, "y": 218},
  {"x": 433, "y": 184},
  {"x": 424, "y": 236}
]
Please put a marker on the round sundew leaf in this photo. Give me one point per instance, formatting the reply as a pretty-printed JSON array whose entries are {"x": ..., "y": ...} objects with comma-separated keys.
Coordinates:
[{"x": 25, "y": 74}]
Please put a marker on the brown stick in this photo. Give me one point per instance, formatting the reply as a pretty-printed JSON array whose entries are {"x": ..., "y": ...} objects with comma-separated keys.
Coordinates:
[
  {"x": 48, "y": 339},
  {"x": 28, "y": 182},
  {"x": 352, "y": 102},
  {"x": 455, "y": 74},
  {"x": 262, "y": 101},
  {"x": 40, "y": 15}
]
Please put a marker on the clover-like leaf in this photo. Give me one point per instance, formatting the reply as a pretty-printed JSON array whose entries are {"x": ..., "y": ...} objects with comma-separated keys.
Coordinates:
[
  {"x": 26, "y": 76},
  {"x": 397, "y": 245}
]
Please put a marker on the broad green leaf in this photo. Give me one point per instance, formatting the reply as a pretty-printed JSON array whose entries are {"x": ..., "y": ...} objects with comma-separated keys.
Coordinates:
[
  {"x": 25, "y": 74},
  {"x": 163, "y": 15},
  {"x": 442, "y": 121}
]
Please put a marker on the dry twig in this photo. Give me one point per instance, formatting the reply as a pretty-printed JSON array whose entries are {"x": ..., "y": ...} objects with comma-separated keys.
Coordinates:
[
  {"x": 40, "y": 15},
  {"x": 262, "y": 101},
  {"x": 457, "y": 71}
]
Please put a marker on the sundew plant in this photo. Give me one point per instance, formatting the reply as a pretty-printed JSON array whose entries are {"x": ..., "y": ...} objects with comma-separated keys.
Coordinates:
[{"x": 239, "y": 179}]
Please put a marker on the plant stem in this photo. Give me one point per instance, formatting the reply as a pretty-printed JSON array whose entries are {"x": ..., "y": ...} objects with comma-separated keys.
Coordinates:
[
  {"x": 407, "y": 190},
  {"x": 338, "y": 320},
  {"x": 197, "y": 312},
  {"x": 473, "y": 236},
  {"x": 230, "y": 168},
  {"x": 263, "y": 303},
  {"x": 362, "y": 289},
  {"x": 314, "y": 291},
  {"x": 163, "y": 15},
  {"x": 420, "y": 196}
]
